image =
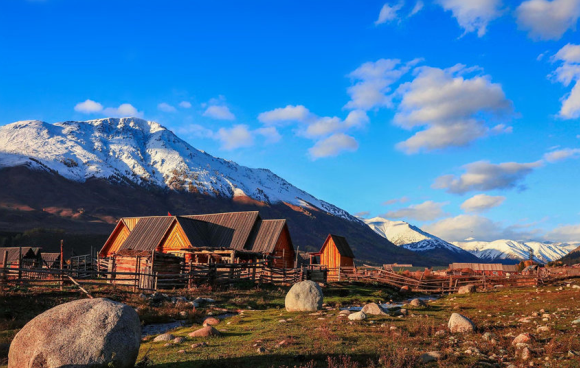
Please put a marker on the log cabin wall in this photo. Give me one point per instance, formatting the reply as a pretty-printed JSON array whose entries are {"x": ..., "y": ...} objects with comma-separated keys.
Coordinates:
[{"x": 284, "y": 250}]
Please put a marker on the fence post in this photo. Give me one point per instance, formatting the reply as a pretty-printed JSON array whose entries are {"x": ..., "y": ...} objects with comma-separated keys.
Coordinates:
[{"x": 61, "y": 265}]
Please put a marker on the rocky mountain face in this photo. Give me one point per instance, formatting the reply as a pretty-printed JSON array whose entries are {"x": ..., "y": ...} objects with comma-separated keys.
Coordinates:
[
  {"x": 412, "y": 238},
  {"x": 505, "y": 250},
  {"x": 83, "y": 176}
]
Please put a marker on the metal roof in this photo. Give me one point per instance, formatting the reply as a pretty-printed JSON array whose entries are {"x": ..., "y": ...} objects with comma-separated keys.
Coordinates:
[
  {"x": 196, "y": 231},
  {"x": 265, "y": 235},
  {"x": 231, "y": 229},
  {"x": 341, "y": 245},
  {"x": 14, "y": 253},
  {"x": 148, "y": 233}
]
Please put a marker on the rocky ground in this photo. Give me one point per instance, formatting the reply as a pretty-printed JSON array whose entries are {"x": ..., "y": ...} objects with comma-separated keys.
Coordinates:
[{"x": 515, "y": 327}]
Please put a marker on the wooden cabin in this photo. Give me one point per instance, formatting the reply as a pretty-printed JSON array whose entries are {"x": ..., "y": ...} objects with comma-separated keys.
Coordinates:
[
  {"x": 20, "y": 257},
  {"x": 234, "y": 237},
  {"x": 336, "y": 253},
  {"x": 147, "y": 264},
  {"x": 50, "y": 260}
]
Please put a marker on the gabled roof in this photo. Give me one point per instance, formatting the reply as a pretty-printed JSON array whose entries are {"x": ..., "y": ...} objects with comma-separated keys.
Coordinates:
[
  {"x": 121, "y": 223},
  {"x": 50, "y": 258},
  {"x": 148, "y": 233},
  {"x": 341, "y": 245},
  {"x": 196, "y": 231},
  {"x": 265, "y": 235},
  {"x": 228, "y": 230},
  {"x": 14, "y": 253}
]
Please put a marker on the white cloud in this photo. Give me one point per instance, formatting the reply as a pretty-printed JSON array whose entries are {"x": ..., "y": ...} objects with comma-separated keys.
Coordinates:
[
  {"x": 403, "y": 199},
  {"x": 124, "y": 110},
  {"x": 362, "y": 214},
  {"x": 567, "y": 73},
  {"x": 185, "y": 104},
  {"x": 453, "y": 108},
  {"x": 323, "y": 126},
  {"x": 88, "y": 107},
  {"x": 417, "y": 8},
  {"x": 270, "y": 133},
  {"x": 473, "y": 15},
  {"x": 333, "y": 146},
  {"x": 481, "y": 203},
  {"x": 235, "y": 137},
  {"x": 426, "y": 211},
  {"x": 562, "y": 154},
  {"x": 165, "y": 107},
  {"x": 219, "y": 112},
  {"x": 286, "y": 114},
  {"x": 564, "y": 233},
  {"x": 547, "y": 20},
  {"x": 373, "y": 83},
  {"x": 389, "y": 13},
  {"x": 485, "y": 176}
]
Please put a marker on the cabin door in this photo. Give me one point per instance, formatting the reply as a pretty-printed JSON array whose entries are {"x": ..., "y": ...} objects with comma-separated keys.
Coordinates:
[{"x": 146, "y": 279}]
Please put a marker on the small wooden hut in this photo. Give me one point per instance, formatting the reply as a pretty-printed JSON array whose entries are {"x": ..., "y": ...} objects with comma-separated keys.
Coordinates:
[
  {"x": 20, "y": 257},
  {"x": 50, "y": 260},
  {"x": 336, "y": 253}
]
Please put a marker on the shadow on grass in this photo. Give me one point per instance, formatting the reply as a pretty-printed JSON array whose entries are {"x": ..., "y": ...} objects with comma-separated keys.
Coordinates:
[{"x": 268, "y": 361}]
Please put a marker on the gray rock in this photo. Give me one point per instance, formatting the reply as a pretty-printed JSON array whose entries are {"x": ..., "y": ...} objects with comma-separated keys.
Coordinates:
[
  {"x": 305, "y": 296},
  {"x": 417, "y": 303},
  {"x": 164, "y": 337},
  {"x": 83, "y": 333},
  {"x": 466, "y": 289},
  {"x": 459, "y": 323},
  {"x": 358, "y": 316},
  {"x": 373, "y": 309},
  {"x": 430, "y": 356}
]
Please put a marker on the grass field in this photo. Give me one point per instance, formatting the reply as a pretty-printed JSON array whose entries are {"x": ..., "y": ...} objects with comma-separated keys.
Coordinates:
[{"x": 324, "y": 340}]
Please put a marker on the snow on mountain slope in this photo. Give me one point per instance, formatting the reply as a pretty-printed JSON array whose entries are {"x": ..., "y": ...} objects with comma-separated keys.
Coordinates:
[
  {"x": 511, "y": 249},
  {"x": 408, "y": 236},
  {"x": 131, "y": 150}
]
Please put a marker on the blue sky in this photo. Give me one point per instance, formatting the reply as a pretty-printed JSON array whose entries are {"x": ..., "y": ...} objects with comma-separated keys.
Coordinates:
[{"x": 460, "y": 117}]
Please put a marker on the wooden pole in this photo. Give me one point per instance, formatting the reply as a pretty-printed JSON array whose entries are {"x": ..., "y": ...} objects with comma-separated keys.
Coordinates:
[
  {"x": 5, "y": 266},
  {"x": 19, "y": 264},
  {"x": 61, "y": 264}
]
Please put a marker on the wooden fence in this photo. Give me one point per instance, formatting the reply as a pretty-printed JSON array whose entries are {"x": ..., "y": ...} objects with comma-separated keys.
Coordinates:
[{"x": 192, "y": 275}]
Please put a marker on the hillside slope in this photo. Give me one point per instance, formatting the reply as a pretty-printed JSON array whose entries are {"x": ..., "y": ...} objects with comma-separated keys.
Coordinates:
[{"x": 83, "y": 176}]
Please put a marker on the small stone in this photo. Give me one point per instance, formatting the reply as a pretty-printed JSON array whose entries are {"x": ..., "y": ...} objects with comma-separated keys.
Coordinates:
[
  {"x": 358, "y": 316},
  {"x": 211, "y": 321},
  {"x": 205, "y": 332},
  {"x": 181, "y": 351},
  {"x": 417, "y": 303},
  {"x": 373, "y": 309},
  {"x": 178, "y": 340},
  {"x": 430, "y": 356},
  {"x": 526, "y": 354},
  {"x": 524, "y": 338},
  {"x": 543, "y": 329},
  {"x": 199, "y": 345},
  {"x": 460, "y": 323},
  {"x": 164, "y": 337}
]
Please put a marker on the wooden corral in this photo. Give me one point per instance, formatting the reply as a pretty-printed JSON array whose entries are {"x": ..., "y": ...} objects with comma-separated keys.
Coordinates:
[
  {"x": 488, "y": 269},
  {"x": 145, "y": 269}
]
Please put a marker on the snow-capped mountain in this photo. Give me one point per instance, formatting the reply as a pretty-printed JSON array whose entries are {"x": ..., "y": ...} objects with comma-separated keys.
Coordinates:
[
  {"x": 505, "y": 249},
  {"x": 412, "y": 238},
  {"x": 131, "y": 150}
]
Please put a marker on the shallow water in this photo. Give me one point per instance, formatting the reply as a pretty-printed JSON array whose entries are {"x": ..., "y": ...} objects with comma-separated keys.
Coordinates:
[{"x": 394, "y": 305}]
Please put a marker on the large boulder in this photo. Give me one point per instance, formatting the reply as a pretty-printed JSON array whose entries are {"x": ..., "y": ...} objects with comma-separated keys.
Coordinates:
[
  {"x": 466, "y": 289},
  {"x": 305, "y": 296},
  {"x": 81, "y": 334},
  {"x": 459, "y": 323},
  {"x": 373, "y": 309}
]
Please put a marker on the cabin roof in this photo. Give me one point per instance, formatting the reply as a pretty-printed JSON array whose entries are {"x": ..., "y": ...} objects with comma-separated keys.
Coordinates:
[
  {"x": 14, "y": 253},
  {"x": 341, "y": 245},
  {"x": 148, "y": 233},
  {"x": 265, "y": 235},
  {"x": 230, "y": 229}
]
